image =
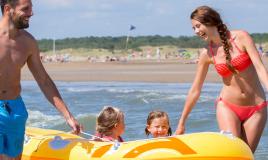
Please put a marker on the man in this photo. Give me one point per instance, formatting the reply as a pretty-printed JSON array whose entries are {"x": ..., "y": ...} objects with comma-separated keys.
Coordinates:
[{"x": 18, "y": 47}]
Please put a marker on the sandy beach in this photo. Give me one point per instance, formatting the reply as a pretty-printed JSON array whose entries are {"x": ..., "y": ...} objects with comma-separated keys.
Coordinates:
[{"x": 137, "y": 71}]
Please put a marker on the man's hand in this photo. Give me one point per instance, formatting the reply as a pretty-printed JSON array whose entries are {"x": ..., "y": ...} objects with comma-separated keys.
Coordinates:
[{"x": 76, "y": 127}]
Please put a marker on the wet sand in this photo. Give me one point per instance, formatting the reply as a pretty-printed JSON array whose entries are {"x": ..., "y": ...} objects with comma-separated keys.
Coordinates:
[{"x": 139, "y": 71}]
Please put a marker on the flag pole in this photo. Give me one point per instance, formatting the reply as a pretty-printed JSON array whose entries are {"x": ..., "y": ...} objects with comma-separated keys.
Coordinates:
[
  {"x": 127, "y": 41},
  {"x": 130, "y": 29},
  {"x": 54, "y": 46}
]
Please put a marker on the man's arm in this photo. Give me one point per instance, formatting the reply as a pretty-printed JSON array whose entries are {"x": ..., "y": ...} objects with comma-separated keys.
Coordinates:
[{"x": 47, "y": 85}]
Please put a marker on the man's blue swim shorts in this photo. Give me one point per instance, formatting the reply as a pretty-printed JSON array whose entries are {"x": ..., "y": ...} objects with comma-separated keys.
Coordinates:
[{"x": 13, "y": 116}]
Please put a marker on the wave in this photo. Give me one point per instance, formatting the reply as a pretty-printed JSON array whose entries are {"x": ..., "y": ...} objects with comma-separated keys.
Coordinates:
[{"x": 41, "y": 120}]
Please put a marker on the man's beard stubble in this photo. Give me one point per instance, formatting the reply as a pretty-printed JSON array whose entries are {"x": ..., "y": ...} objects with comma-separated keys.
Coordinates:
[{"x": 20, "y": 24}]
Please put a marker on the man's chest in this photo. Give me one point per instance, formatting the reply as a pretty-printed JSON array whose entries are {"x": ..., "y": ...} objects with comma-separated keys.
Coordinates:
[{"x": 14, "y": 54}]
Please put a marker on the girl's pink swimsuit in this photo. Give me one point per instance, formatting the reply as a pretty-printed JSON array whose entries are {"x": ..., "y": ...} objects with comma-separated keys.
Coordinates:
[{"x": 120, "y": 139}]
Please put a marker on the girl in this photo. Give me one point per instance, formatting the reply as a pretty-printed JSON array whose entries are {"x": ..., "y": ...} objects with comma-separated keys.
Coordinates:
[
  {"x": 110, "y": 124},
  {"x": 241, "y": 106},
  {"x": 158, "y": 124}
]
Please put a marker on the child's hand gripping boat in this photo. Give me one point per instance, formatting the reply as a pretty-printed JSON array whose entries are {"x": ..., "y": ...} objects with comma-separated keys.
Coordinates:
[{"x": 44, "y": 144}]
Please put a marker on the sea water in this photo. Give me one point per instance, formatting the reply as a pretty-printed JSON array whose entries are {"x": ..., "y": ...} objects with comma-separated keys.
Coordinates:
[{"x": 86, "y": 99}]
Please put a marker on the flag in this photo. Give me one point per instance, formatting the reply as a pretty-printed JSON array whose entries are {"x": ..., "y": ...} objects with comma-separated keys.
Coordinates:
[{"x": 132, "y": 27}]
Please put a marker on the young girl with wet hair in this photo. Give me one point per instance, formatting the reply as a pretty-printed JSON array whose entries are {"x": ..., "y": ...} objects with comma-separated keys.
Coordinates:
[
  {"x": 110, "y": 124},
  {"x": 241, "y": 105},
  {"x": 158, "y": 124}
]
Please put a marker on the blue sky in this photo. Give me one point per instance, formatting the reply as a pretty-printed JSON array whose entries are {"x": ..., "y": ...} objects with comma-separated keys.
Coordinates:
[{"x": 80, "y": 18}]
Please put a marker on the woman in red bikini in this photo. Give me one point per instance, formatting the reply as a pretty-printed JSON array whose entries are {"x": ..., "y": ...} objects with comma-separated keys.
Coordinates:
[{"x": 241, "y": 106}]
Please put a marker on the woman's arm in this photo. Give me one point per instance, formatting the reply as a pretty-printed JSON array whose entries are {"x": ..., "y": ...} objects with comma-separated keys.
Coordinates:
[
  {"x": 250, "y": 47},
  {"x": 195, "y": 90}
]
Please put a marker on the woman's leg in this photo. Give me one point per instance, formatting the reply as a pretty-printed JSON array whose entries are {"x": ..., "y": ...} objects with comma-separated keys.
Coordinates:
[
  {"x": 228, "y": 120},
  {"x": 253, "y": 128}
]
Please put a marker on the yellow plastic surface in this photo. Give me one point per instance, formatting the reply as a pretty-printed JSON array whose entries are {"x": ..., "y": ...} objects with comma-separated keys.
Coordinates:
[{"x": 46, "y": 144}]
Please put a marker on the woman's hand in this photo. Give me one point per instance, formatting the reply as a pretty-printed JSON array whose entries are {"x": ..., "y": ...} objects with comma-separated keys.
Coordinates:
[{"x": 180, "y": 130}]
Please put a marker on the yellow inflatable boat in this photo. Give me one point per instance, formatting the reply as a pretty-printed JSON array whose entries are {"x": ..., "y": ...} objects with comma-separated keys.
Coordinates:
[{"x": 44, "y": 144}]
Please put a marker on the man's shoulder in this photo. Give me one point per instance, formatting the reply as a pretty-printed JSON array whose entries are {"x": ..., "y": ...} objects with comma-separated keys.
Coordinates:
[
  {"x": 26, "y": 35},
  {"x": 28, "y": 41}
]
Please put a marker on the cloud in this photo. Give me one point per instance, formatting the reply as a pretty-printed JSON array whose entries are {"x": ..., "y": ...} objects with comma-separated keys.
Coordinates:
[
  {"x": 159, "y": 7},
  {"x": 112, "y": 17},
  {"x": 57, "y": 3},
  {"x": 164, "y": 9},
  {"x": 88, "y": 15}
]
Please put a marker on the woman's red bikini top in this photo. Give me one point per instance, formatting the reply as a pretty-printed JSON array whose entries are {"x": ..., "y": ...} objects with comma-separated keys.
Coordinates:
[{"x": 240, "y": 62}]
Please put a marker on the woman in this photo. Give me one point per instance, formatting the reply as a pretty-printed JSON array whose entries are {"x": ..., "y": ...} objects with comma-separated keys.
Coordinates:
[{"x": 241, "y": 106}]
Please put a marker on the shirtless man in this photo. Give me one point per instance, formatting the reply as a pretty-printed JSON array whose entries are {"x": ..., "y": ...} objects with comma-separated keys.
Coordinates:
[{"x": 18, "y": 47}]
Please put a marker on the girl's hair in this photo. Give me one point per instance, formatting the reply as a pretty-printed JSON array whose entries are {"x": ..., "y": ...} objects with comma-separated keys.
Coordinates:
[
  {"x": 210, "y": 17},
  {"x": 157, "y": 114},
  {"x": 107, "y": 118}
]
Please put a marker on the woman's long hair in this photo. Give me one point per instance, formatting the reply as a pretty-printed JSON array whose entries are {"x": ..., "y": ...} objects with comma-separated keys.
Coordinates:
[{"x": 210, "y": 17}]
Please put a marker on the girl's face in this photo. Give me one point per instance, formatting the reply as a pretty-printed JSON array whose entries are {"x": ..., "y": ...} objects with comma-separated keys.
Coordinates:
[
  {"x": 203, "y": 31},
  {"x": 159, "y": 127}
]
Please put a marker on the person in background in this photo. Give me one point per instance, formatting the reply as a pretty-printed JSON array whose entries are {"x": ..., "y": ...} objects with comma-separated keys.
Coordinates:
[
  {"x": 158, "y": 124},
  {"x": 241, "y": 106},
  {"x": 260, "y": 49}
]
